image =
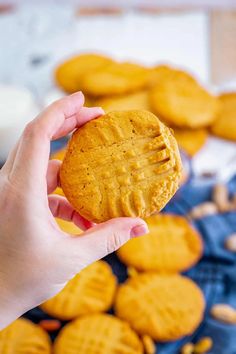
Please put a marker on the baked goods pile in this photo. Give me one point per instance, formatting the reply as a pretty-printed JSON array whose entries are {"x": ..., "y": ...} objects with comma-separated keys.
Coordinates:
[
  {"x": 154, "y": 304},
  {"x": 174, "y": 95},
  {"x": 127, "y": 162}
]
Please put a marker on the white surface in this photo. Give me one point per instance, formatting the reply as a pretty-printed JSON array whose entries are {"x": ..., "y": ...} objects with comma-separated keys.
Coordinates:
[
  {"x": 218, "y": 157},
  {"x": 17, "y": 108}
]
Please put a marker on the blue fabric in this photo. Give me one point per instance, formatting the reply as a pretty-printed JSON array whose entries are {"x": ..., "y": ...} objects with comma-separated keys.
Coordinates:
[{"x": 215, "y": 273}]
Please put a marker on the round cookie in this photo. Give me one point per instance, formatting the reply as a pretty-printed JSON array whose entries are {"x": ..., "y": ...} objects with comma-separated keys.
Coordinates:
[
  {"x": 225, "y": 124},
  {"x": 98, "y": 334},
  {"x": 172, "y": 245},
  {"x": 191, "y": 141},
  {"x": 137, "y": 100},
  {"x": 90, "y": 291},
  {"x": 116, "y": 79},
  {"x": 68, "y": 227},
  {"x": 23, "y": 336},
  {"x": 159, "y": 73},
  {"x": 58, "y": 155},
  {"x": 181, "y": 101},
  {"x": 165, "y": 307},
  {"x": 121, "y": 164},
  {"x": 69, "y": 75}
]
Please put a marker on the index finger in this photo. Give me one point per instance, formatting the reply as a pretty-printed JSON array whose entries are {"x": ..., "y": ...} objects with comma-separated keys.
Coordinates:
[{"x": 63, "y": 116}]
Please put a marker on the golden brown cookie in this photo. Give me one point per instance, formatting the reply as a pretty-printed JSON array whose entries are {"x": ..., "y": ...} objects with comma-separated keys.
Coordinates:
[
  {"x": 24, "y": 337},
  {"x": 116, "y": 79},
  {"x": 225, "y": 124},
  {"x": 68, "y": 226},
  {"x": 165, "y": 307},
  {"x": 69, "y": 75},
  {"x": 121, "y": 164},
  {"x": 98, "y": 334},
  {"x": 59, "y": 154},
  {"x": 181, "y": 101},
  {"x": 90, "y": 291},
  {"x": 132, "y": 101},
  {"x": 172, "y": 245},
  {"x": 160, "y": 72},
  {"x": 191, "y": 140}
]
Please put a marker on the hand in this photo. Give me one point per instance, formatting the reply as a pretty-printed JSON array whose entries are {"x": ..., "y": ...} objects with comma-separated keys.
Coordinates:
[{"x": 36, "y": 257}]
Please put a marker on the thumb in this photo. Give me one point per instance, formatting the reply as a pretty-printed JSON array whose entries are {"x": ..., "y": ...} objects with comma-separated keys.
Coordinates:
[{"x": 103, "y": 239}]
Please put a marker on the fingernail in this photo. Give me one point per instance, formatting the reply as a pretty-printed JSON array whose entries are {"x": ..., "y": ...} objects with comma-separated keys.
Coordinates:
[
  {"x": 139, "y": 230},
  {"x": 100, "y": 109}
]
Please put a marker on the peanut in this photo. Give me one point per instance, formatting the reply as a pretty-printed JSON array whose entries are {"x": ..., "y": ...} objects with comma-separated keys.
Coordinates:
[
  {"x": 230, "y": 243},
  {"x": 187, "y": 348},
  {"x": 149, "y": 345},
  {"x": 50, "y": 325},
  {"x": 204, "y": 209},
  {"x": 224, "y": 313},
  {"x": 132, "y": 272},
  {"x": 221, "y": 197},
  {"x": 203, "y": 345}
]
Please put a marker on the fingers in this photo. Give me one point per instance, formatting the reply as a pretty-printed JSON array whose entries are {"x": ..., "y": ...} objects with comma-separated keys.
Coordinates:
[
  {"x": 85, "y": 114},
  {"x": 60, "y": 118},
  {"x": 61, "y": 208},
  {"x": 103, "y": 239},
  {"x": 53, "y": 175}
]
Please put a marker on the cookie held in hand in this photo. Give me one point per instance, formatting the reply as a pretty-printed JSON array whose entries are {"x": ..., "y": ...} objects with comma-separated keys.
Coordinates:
[{"x": 121, "y": 164}]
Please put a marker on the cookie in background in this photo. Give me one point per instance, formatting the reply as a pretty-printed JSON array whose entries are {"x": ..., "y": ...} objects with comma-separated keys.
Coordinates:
[
  {"x": 70, "y": 74},
  {"x": 191, "y": 140},
  {"x": 101, "y": 333},
  {"x": 225, "y": 124},
  {"x": 90, "y": 291},
  {"x": 23, "y": 336},
  {"x": 132, "y": 101},
  {"x": 180, "y": 100},
  {"x": 171, "y": 246},
  {"x": 116, "y": 79},
  {"x": 124, "y": 163},
  {"x": 165, "y": 307}
]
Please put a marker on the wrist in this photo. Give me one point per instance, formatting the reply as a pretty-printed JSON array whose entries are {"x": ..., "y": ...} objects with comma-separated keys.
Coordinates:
[{"x": 10, "y": 306}]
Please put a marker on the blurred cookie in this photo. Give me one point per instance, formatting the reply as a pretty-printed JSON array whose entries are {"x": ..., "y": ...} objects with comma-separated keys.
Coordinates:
[
  {"x": 69, "y": 75},
  {"x": 116, "y": 79},
  {"x": 181, "y": 101},
  {"x": 121, "y": 164},
  {"x": 165, "y": 307},
  {"x": 98, "y": 334},
  {"x": 172, "y": 245},
  {"x": 132, "y": 101},
  {"x": 58, "y": 155},
  {"x": 225, "y": 124},
  {"x": 191, "y": 140},
  {"x": 160, "y": 72},
  {"x": 24, "y": 337},
  {"x": 68, "y": 227},
  {"x": 92, "y": 290}
]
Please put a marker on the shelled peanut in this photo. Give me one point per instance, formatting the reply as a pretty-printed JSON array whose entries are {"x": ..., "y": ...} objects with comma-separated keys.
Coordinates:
[{"x": 220, "y": 203}]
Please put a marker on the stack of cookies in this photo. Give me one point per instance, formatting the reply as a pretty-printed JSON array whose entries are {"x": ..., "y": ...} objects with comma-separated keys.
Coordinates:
[{"x": 173, "y": 95}]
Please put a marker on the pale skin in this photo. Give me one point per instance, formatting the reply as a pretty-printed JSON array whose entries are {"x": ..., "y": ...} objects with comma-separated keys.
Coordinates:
[{"x": 36, "y": 257}]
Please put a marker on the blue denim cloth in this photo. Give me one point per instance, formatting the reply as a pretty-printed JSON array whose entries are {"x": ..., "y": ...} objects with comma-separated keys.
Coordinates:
[{"x": 215, "y": 273}]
